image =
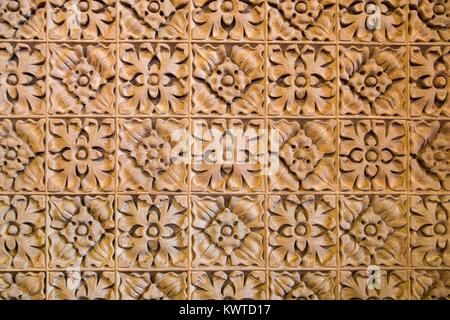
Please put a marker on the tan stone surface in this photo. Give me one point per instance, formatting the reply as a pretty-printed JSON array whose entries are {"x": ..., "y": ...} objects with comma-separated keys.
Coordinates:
[{"x": 123, "y": 175}]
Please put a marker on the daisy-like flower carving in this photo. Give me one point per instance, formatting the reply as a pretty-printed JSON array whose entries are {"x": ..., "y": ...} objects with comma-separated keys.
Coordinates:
[
  {"x": 430, "y": 231},
  {"x": 81, "y": 155},
  {"x": 22, "y": 286},
  {"x": 430, "y": 81},
  {"x": 153, "y": 286},
  {"x": 22, "y": 19},
  {"x": 153, "y": 155},
  {"x": 305, "y": 285},
  {"x": 235, "y": 285},
  {"x": 152, "y": 232},
  {"x": 22, "y": 236},
  {"x": 82, "y": 232},
  {"x": 82, "y": 83},
  {"x": 227, "y": 232},
  {"x": 227, "y": 83},
  {"x": 154, "y": 19},
  {"x": 430, "y": 156},
  {"x": 82, "y": 19},
  {"x": 373, "y": 20},
  {"x": 21, "y": 155},
  {"x": 373, "y": 155},
  {"x": 22, "y": 79},
  {"x": 373, "y": 81},
  {"x": 222, "y": 19},
  {"x": 301, "y": 80},
  {"x": 228, "y": 155},
  {"x": 304, "y": 154},
  {"x": 373, "y": 231},
  {"x": 301, "y": 20},
  {"x": 87, "y": 285},
  {"x": 154, "y": 79},
  {"x": 429, "y": 20},
  {"x": 302, "y": 231},
  {"x": 393, "y": 285}
]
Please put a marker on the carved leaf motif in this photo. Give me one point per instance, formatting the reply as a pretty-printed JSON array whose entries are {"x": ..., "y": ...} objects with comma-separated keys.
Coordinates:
[
  {"x": 24, "y": 19},
  {"x": 22, "y": 286}
]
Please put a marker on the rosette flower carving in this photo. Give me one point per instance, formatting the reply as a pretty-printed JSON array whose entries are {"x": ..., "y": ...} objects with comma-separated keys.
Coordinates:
[
  {"x": 373, "y": 155},
  {"x": 22, "y": 232},
  {"x": 302, "y": 156},
  {"x": 154, "y": 19},
  {"x": 302, "y": 231},
  {"x": 373, "y": 231},
  {"x": 301, "y": 20},
  {"x": 228, "y": 82},
  {"x": 22, "y": 19},
  {"x": 81, "y": 155},
  {"x": 429, "y": 20},
  {"x": 430, "y": 81},
  {"x": 21, "y": 155},
  {"x": 153, "y": 155},
  {"x": 154, "y": 79},
  {"x": 22, "y": 286},
  {"x": 82, "y": 82},
  {"x": 152, "y": 232},
  {"x": 235, "y": 285},
  {"x": 373, "y": 81},
  {"x": 87, "y": 285},
  {"x": 153, "y": 286},
  {"x": 227, "y": 232},
  {"x": 233, "y": 19},
  {"x": 82, "y": 232},
  {"x": 302, "y": 80},
  {"x": 82, "y": 20}
]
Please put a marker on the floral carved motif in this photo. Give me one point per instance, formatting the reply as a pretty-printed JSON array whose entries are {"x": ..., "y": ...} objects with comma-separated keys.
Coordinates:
[
  {"x": 228, "y": 155},
  {"x": 227, "y": 231},
  {"x": 82, "y": 20},
  {"x": 430, "y": 81},
  {"x": 393, "y": 285},
  {"x": 22, "y": 79},
  {"x": 81, "y": 232},
  {"x": 430, "y": 285},
  {"x": 22, "y": 232},
  {"x": 373, "y": 20},
  {"x": 154, "y": 79},
  {"x": 154, "y": 19},
  {"x": 301, "y": 20},
  {"x": 302, "y": 231},
  {"x": 430, "y": 155},
  {"x": 234, "y": 285},
  {"x": 82, "y": 79},
  {"x": 153, "y": 155},
  {"x": 233, "y": 19},
  {"x": 429, "y": 20},
  {"x": 302, "y": 80},
  {"x": 22, "y": 286},
  {"x": 81, "y": 155},
  {"x": 430, "y": 231},
  {"x": 22, "y": 19},
  {"x": 373, "y": 81},
  {"x": 373, "y": 231},
  {"x": 305, "y": 154},
  {"x": 305, "y": 285},
  {"x": 153, "y": 286},
  {"x": 87, "y": 285},
  {"x": 22, "y": 155},
  {"x": 228, "y": 80},
  {"x": 152, "y": 231},
  {"x": 373, "y": 155}
]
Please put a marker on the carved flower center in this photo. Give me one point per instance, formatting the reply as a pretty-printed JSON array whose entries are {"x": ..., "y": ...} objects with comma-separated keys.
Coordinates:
[
  {"x": 371, "y": 81},
  {"x": 227, "y": 6},
  {"x": 82, "y": 153},
  {"x": 300, "y": 229},
  {"x": 227, "y": 231},
  {"x": 153, "y": 79},
  {"x": 82, "y": 230},
  {"x": 13, "y": 6},
  {"x": 440, "y": 82},
  {"x": 228, "y": 80},
  {"x": 84, "y": 6},
  {"x": 440, "y": 156},
  {"x": 153, "y": 231},
  {"x": 153, "y": 6},
  {"x": 370, "y": 8},
  {"x": 13, "y": 230},
  {"x": 300, "y": 81},
  {"x": 439, "y": 9},
  {"x": 370, "y": 230},
  {"x": 301, "y": 7},
  {"x": 440, "y": 228},
  {"x": 83, "y": 80},
  {"x": 11, "y": 154},
  {"x": 12, "y": 79},
  {"x": 371, "y": 156}
]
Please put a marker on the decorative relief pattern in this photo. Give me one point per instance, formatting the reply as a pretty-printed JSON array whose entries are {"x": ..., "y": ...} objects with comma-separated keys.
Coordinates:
[
  {"x": 430, "y": 285},
  {"x": 22, "y": 286},
  {"x": 428, "y": 21},
  {"x": 22, "y": 19}
]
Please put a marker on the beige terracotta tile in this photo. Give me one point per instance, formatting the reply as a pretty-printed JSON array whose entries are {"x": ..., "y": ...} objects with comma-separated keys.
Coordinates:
[{"x": 22, "y": 285}]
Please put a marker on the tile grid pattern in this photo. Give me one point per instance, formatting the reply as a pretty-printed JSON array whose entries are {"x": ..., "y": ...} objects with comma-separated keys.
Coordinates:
[{"x": 407, "y": 268}]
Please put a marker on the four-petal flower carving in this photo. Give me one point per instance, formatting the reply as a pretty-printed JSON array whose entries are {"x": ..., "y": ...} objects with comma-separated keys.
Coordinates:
[{"x": 22, "y": 19}]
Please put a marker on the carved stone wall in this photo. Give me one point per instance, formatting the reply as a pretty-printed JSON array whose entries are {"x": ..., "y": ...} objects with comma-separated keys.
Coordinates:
[{"x": 108, "y": 109}]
